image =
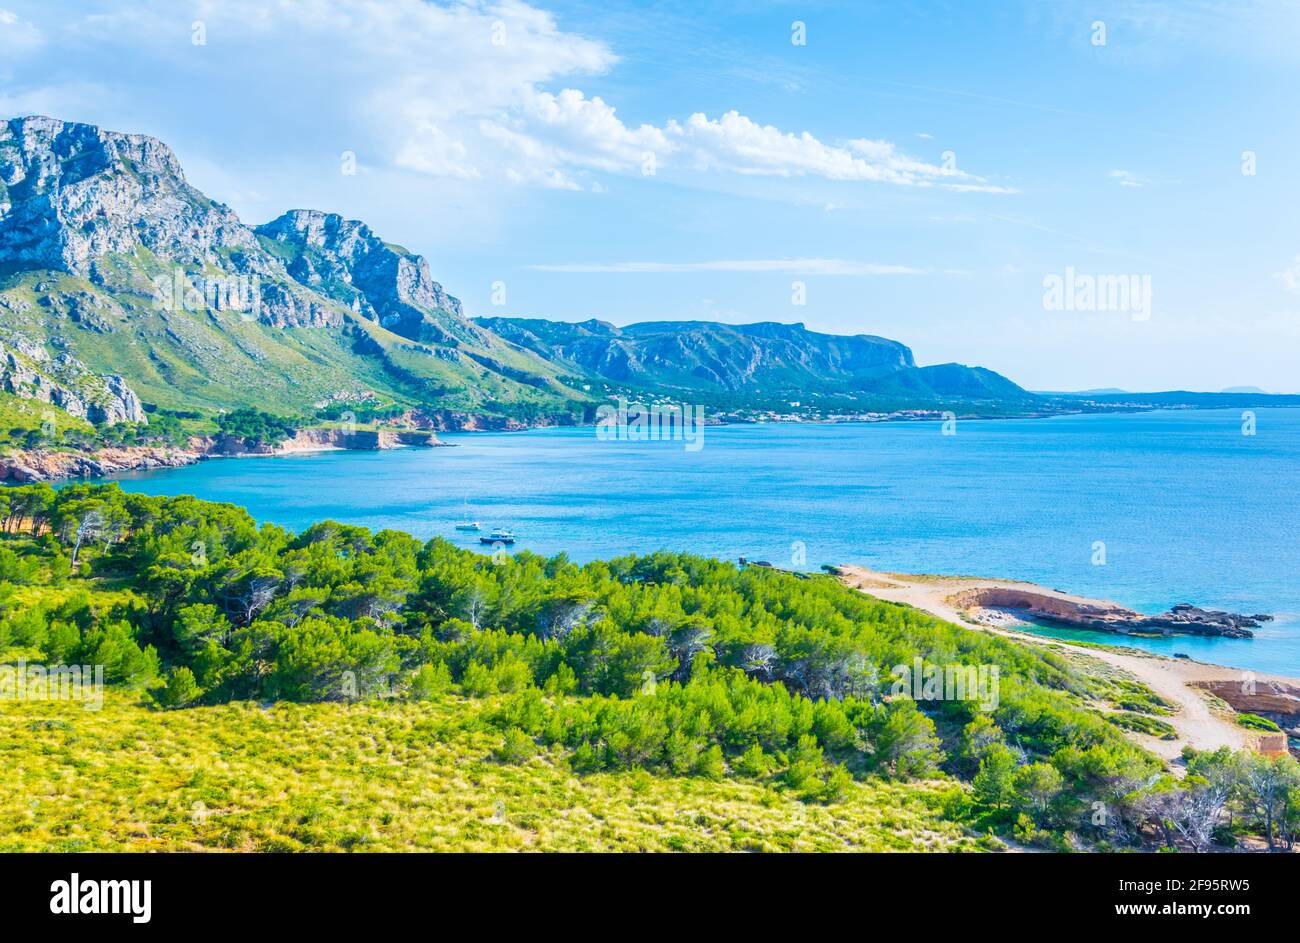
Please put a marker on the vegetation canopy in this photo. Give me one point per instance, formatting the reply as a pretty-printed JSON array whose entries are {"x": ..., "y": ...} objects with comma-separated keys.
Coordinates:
[{"x": 669, "y": 666}]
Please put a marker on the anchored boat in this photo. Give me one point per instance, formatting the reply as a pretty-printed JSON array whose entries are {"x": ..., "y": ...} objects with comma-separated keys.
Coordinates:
[{"x": 465, "y": 522}]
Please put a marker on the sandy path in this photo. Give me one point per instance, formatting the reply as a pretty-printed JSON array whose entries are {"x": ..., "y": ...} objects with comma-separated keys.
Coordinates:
[{"x": 1196, "y": 722}]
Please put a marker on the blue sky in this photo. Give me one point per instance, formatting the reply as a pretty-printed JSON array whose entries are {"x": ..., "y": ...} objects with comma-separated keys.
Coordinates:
[{"x": 919, "y": 167}]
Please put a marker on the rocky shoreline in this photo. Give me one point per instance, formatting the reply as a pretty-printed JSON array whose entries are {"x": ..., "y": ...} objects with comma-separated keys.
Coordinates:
[
  {"x": 1200, "y": 721},
  {"x": 46, "y": 465},
  {"x": 1099, "y": 616}
]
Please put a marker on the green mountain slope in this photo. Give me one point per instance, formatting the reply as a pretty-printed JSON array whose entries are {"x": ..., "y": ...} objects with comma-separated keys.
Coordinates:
[
  {"x": 108, "y": 256},
  {"x": 766, "y": 359}
]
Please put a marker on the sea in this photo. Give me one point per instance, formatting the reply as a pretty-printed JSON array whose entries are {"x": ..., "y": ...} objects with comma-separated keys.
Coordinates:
[{"x": 1147, "y": 509}]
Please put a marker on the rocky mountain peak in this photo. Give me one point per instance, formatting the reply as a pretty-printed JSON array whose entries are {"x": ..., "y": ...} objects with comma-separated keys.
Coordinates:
[
  {"x": 71, "y": 193},
  {"x": 110, "y": 256},
  {"x": 344, "y": 259}
]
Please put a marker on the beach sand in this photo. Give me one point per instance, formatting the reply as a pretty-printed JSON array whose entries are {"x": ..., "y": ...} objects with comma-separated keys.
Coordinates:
[{"x": 1202, "y": 720}]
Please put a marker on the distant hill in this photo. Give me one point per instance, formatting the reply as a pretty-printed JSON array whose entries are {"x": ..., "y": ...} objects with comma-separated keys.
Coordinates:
[
  {"x": 1104, "y": 391},
  {"x": 767, "y": 358},
  {"x": 1182, "y": 398}
]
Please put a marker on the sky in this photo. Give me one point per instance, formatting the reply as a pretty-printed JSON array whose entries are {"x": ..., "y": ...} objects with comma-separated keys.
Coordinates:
[{"x": 931, "y": 172}]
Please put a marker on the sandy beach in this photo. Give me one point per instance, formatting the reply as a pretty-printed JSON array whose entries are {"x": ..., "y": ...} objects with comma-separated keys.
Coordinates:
[{"x": 1202, "y": 721}]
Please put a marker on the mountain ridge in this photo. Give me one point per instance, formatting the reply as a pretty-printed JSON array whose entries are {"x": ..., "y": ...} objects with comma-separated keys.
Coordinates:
[
  {"x": 770, "y": 356},
  {"x": 126, "y": 292},
  {"x": 109, "y": 255}
]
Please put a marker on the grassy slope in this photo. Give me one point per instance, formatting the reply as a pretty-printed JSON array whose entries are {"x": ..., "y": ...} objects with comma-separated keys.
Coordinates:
[
  {"x": 17, "y": 413},
  {"x": 387, "y": 776},
  {"x": 396, "y": 775},
  {"x": 213, "y": 360},
  {"x": 392, "y": 777}
]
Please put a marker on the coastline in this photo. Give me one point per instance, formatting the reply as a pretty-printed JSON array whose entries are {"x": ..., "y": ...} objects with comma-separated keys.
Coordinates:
[
  {"x": 28, "y": 467},
  {"x": 1182, "y": 680},
  {"x": 36, "y": 465},
  {"x": 1206, "y": 720}
]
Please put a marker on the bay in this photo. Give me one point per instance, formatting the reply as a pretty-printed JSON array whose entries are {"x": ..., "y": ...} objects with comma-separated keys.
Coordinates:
[{"x": 1187, "y": 507}]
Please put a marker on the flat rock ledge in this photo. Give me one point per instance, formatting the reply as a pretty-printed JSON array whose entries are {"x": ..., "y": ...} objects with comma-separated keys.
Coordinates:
[
  {"x": 1183, "y": 619},
  {"x": 42, "y": 465}
]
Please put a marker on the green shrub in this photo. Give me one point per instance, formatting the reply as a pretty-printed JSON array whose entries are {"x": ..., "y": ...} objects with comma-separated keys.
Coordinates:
[
  {"x": 1255, "y": 722},
  {"x": 516, "y": 747}
]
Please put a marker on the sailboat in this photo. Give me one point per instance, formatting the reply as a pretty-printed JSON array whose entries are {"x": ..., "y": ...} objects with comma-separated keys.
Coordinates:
[{"x": 465, "y": 522}]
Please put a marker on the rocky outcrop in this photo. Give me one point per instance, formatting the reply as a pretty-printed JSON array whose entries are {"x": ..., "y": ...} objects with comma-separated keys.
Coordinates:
[
  {"x": 52, "y": 466},
  {"x": 1182, "y": 619},
  {"x": 45, "y": 465},
  {"x": 454, "y": 420},
  {"x": 120, "y": 404},
  {"x": 419, "y": 438},
  {"x": 315, "y": 440},
  {"x": 92, "y": 311},
  {"x": 28, "y": 371},
  {"x": 345, "y": 260},
  {"x": 1193, "y": 620},
  {"x": 73, "y": 194},
  {"x": 1273, "y": 699}
]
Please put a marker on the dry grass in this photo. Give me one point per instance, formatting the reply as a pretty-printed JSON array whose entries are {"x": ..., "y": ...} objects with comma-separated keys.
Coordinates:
[{"x": 393, "y": 777}]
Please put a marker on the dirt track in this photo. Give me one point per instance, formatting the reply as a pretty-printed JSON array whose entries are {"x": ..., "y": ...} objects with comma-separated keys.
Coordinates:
[{"x": 1197, "y": 723}]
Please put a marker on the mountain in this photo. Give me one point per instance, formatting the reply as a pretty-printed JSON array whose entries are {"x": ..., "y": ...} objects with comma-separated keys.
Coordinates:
[
  {"x": 344, "y": 260},
  {"x": 126, "y": 292},
  {"x": 774, "y": 359},
  {"x": 1184, "y": 399},
  {"x": 114, "y": 266}
]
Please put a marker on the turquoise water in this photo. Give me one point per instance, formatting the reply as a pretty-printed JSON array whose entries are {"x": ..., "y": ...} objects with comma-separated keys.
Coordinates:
[{"x": 1189, "y": 509}]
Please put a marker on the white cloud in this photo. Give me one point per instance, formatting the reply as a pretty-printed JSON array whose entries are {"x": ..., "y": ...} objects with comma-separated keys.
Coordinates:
[
  {"x": 1127, "y": 178},
  {"x": 787, "y": 266},
  {"x": 569, "y": 130},
  {"x": 589, "y": 131},
  {"x": 736, "y": 143},
  {"x": 459, "y": 91},
  {"x": 18, "y": 36},
  {"x": 1289, "y": 277}
]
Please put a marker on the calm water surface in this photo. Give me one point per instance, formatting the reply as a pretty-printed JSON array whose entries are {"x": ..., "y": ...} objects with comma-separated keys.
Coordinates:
[{"x": 1189, "y": 509}]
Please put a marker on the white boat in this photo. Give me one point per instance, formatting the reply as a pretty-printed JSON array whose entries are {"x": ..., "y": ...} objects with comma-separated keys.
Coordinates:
[{"x": 466, "y": 523}]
